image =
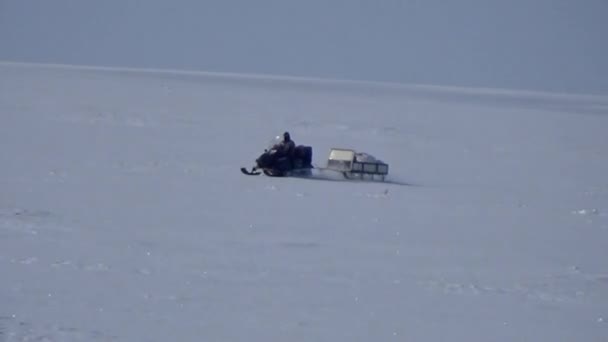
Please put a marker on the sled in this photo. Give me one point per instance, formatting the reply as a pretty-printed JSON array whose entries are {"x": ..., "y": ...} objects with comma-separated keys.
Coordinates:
[{"x": 354, "y": 165}]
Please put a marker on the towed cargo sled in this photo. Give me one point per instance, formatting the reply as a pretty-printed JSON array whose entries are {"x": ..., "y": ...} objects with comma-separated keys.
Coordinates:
[{"x": 355, "y": 165}]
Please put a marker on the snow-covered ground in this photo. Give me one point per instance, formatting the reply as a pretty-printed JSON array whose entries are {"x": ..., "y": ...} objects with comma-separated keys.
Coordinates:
[{"x": 123, "y": 215}]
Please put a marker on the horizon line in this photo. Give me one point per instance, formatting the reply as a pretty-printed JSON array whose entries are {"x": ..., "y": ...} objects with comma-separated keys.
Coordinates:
[{"x": 471, "y": 90}]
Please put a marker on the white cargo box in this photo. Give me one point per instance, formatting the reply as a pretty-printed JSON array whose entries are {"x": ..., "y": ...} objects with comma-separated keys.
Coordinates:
[{"x": 340, "y": 159}]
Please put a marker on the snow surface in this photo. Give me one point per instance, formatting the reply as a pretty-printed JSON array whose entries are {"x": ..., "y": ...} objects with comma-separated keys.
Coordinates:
[{"x": 123, "y": 215}]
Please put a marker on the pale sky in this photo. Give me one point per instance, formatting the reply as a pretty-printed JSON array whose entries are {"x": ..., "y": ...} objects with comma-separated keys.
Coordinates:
[{"x": 552, "y": 45}]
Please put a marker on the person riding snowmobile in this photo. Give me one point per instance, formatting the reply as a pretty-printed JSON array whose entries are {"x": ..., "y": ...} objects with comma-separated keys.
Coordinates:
[
  {"x": 284, "y": 147},
  {"x": 282, "y": 156}
]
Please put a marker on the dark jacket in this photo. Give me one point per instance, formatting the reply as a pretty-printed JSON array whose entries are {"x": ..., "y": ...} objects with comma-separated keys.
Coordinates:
[{"x": 285, "y": 148}]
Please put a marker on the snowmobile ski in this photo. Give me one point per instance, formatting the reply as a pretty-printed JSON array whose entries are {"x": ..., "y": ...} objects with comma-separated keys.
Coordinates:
[{"x": 253, "y": 172}]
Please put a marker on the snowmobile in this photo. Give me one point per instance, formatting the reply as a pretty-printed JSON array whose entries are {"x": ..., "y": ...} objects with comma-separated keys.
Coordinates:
[
  {"x": 347, "y": 163},
  {"x": 272, "y": 163}
]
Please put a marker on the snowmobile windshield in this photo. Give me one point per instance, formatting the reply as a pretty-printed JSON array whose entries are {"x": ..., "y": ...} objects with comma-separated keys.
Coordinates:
[{"x": 274, "y": 142}]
